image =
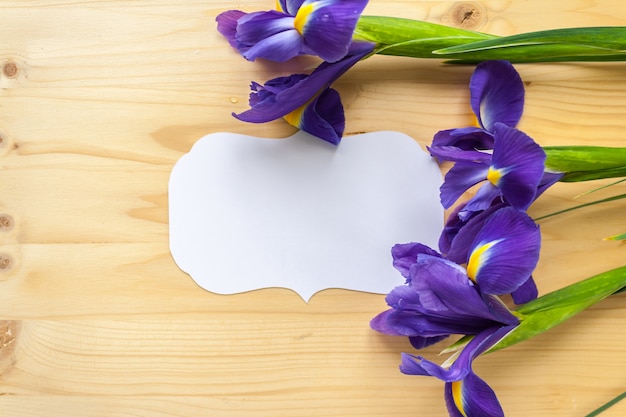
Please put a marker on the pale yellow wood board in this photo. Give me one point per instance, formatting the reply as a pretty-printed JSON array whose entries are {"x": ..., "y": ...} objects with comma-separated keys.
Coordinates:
[{"x": 100, "y": 321}]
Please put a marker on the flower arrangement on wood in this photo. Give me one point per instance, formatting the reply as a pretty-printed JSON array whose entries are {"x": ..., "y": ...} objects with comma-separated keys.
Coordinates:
[{"x": 489, "y": 246}]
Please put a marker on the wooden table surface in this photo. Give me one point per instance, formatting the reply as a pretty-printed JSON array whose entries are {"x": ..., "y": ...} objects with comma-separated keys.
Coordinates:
[{"x": 100, "y": 98}]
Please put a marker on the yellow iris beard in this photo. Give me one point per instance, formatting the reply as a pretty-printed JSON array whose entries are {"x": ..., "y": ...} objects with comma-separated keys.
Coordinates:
[
  {"x": 476, "y": 260},
  {"x": 494, "y": 175},
  {"x": 456, "y": 396},
  {"x": 295, "y": 116},
  {"x": 302, "y": 16}
]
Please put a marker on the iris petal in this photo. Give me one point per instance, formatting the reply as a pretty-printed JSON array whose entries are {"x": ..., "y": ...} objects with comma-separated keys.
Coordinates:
[
  {"x": 462, "y": 366},
  {"x": 227, "y": 25},
  {"x": 419, "y": 342},
  {"x": 324, "y": 117},
  {"x": 430, "y": 308},
  {"x": 472, "y": 397},
  {"x": 454, "y": 154},
  {"x": 405, "y": 255},
  {"x": 485, "y": 197},
  {"x": 497, "y": 94},
  {"x": 465, "y": 138},
  {"x": 440, "y": 284},
  {"x": 526, "y": 292},
  {"x": 521, "y": 162},
  {"x": 329, "y": 26},
  {"x": 460, "y": 243},
  {"x": 259, "y": 25},
  {"x": 280, "y": 47},
  {"x": 428, "y": 329},
  {"x": 289, "y": 6},
  {"x": 513, "y": 243},
  {"x": 290, "y": 93},
  {"x": 459, "y": 179}
]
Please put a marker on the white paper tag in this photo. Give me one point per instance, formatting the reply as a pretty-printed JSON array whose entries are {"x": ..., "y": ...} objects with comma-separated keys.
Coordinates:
[{"x": 249, "y": 213}]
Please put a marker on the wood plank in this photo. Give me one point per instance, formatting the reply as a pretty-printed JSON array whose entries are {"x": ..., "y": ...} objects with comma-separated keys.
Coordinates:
[
  {"x": 331, "y": 362},
  {"x": 99, "y": 99}
]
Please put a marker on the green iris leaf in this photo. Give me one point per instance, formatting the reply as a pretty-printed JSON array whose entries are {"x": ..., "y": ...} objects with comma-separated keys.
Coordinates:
[
  {"x": 419, "y": 39},
  {"x": 584, "y": 163},
  {"x": 412, "y": 38},
  {"x": 545, "y": 312},
  {"x": 569, "y": 44}
]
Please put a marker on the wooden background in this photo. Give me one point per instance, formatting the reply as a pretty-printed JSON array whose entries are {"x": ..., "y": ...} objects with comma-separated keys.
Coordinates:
[{"x": 99, "y": 99}]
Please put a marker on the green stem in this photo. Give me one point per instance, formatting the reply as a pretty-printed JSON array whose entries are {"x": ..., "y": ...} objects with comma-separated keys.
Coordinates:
[
  {"x": 604, "y": 200},
  {"x": 607, "y": 405}
]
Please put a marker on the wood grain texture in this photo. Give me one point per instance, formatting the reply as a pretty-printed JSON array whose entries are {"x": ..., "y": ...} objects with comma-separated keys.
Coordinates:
[{"x": 99, "y": 99}]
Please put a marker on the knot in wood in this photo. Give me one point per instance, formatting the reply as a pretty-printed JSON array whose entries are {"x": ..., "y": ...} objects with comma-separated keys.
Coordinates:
[
  {"x": 6, "y": 222},
  {"x": 6, "y": 262},
  {"x": 10, "y": 69},
  {"x": 467, "y": 15}
]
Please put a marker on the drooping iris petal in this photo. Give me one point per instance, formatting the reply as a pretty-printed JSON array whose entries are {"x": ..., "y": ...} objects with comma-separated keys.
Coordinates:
[
  {"x": 460, "y": 178},
  {"x": 322, "y": 117},
  {"x": 419, "y": 342},
  {"x": 525, "y": 292},
  {"x": 227, "y": 25},
  {"x": 405, "y": 256},
  {"x": 471, "y": 397},
  {"x": 497, "y": 94},
  {"x": 504, "y": 252},
  {"x": 465, "y": 138},
  {"x": 462, "y": 365},
  {"x": 454, "y": 154},
  {"x": 406, "y": 323},
  {"x": 327, "y": 25},
  {"x": 547, "y": 181},
  {"x": 518, "y": 165},
  {"x": 280, "y": 96}
]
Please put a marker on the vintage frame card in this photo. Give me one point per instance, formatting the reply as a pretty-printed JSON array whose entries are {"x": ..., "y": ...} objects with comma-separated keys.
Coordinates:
[{"x": 249, "y": 213}]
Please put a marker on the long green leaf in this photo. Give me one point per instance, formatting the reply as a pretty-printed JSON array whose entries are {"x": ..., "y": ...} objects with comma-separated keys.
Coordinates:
[
  {"x": 569, "y": 44},
  {"x": 584, "y": 163},
  {"x": 413, "y": 38},
  {"x": 591, "y": 203},
  {"x": 419, "y": 39},
  {"x": 547, "y": 311},
  {"x": 610, "y": 38},
  {"x": 601, "y": 187}
]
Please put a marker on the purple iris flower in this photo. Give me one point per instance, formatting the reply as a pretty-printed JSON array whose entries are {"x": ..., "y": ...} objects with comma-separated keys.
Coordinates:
[
  {"x": 299, "y": 27},
  {"x": 510, "y": 161},
  {"x": 513, "y": 171},
  {"x": 442, "y": 297},
  {"x": 458, "y": 235},
  {"x": 465, "y": 393},
  {"x": 439, "y": 301},
  {"x": 306, "y": 101}
]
